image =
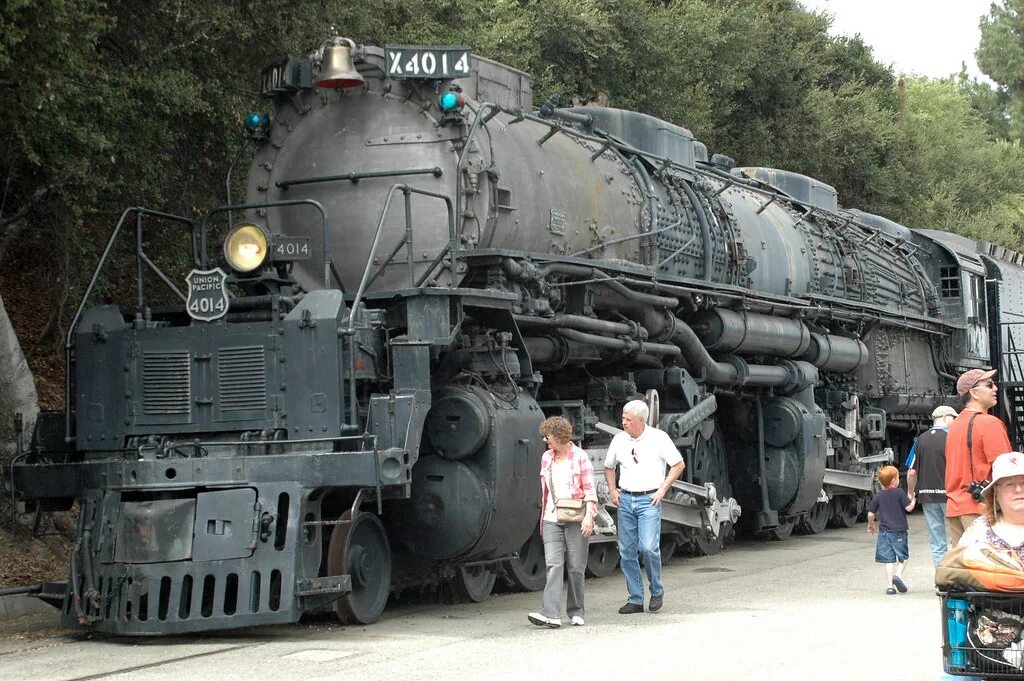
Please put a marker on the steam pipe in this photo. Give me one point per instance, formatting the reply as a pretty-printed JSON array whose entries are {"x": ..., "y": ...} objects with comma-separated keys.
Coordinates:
[
  {"x": 604, "y": 279},
  {"x": 733, "y": 371},
  {"x": 555, "y": 352},
  {"x": 835, "y": 353},
  {"x": 767, "y": 374},
  {"x": 547, "y": 110},
  {"x": 721, "y": 330},
  {"x": 581, "y": 323},
  {"x": 648, "y": 188},
  {"x": 621, "y": 343},
  {"x": 762, "y": 457},
  {"x": 705, "y": 228},
  {"x": 89, "y": 592},
  {"x": 666, "y": 327},
  {"x": 715, "y": 373},
  {"x": 263, "y": 302},
  {"x": 76, "y": 597},
  {"x": 542, "y": 350}
]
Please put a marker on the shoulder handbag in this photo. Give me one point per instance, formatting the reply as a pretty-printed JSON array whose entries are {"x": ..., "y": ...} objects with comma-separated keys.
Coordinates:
[{"x": 566, "y": 510}]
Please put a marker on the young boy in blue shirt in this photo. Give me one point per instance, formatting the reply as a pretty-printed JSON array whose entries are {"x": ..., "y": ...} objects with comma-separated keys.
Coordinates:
[{"x": 892, "y": 549}]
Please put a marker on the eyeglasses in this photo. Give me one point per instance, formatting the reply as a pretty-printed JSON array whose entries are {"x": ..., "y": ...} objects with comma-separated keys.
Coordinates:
[
  {"x": 1019, "y": 484},
  {"x": 635, "y": 460}
]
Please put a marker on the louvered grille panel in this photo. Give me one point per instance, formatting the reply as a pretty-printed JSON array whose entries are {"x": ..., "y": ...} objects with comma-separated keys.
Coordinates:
[
  {"x": 166, "y": 382},
  {"x": 241, "y": 378}
]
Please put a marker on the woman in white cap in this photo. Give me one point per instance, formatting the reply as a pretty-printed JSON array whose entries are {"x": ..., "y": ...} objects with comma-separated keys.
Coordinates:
[{"x": 1002, "y": 507}]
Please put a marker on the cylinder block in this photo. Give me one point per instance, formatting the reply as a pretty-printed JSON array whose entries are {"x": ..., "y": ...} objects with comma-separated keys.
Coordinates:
[
  {"x": 448, "y": 510},
  {"x": 458, "y": 423},
  {"x": 782, "y": 422}
]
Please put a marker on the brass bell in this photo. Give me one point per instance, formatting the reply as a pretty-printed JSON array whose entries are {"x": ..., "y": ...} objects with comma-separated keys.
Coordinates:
[{"x": 336, "y": 67}]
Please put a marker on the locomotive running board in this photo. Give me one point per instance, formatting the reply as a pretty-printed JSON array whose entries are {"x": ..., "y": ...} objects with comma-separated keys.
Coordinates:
[{"x": 849, "y": 479}]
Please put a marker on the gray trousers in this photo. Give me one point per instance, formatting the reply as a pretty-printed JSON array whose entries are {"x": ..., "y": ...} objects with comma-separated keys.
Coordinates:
[{"x": 564, "y": 544}]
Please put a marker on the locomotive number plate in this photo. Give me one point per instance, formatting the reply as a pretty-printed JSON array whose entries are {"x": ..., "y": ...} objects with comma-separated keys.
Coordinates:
[
  {"x": 207, "y": 294},
  {"x": 287, "y": 248},
  {"x": 427, "y": 63}
]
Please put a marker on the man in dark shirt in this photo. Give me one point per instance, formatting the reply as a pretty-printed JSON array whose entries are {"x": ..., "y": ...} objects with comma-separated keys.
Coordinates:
[{"x": 926, "y": 466}]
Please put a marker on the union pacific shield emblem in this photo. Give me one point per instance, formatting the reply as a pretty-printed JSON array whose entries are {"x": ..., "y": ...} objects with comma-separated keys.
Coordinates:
[{"x": 207, "y": 294}]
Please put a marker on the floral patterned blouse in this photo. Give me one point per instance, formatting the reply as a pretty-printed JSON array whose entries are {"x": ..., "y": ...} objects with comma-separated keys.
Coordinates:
[{"x": 982, "y": 529}]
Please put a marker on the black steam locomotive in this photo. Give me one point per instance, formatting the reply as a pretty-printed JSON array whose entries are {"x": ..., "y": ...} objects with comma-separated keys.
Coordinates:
[{"x": 425, "y": 267}]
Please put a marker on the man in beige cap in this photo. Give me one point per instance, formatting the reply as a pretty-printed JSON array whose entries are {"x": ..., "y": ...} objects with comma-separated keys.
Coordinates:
[
  {"x": 974, "y": 441},
  {"x": 926, "y": 465}
]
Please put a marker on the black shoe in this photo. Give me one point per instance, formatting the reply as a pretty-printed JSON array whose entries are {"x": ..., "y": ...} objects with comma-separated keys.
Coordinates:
[
  {"x": 655, "y": 604},
  {"x": 631, "y": 608}
]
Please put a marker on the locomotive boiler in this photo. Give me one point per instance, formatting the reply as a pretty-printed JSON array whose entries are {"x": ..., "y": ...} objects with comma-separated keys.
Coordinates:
[{"x": 346, "y": 402}]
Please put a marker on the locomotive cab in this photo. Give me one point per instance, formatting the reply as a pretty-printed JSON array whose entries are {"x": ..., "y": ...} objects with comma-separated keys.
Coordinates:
[{"x": 961, "y": 275}]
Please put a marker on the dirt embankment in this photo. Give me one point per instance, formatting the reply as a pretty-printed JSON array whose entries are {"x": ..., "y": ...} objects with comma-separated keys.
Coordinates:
[
  {"x": 36, "y": 301},
  {"x": 25, "y": 561}
]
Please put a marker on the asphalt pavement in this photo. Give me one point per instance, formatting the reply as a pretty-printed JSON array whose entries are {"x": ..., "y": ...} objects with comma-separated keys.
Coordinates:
[{"x": 807, "y": 608}]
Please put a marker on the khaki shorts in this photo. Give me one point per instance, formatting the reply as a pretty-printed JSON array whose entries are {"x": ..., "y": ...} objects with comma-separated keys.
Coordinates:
[{"x": 956, "y": 526}]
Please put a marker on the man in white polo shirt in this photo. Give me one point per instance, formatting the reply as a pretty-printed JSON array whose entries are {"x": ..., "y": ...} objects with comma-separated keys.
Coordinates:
[{"x": 642, "y": 453}]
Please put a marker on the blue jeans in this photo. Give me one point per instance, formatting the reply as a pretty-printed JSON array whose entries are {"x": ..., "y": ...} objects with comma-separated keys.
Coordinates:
[
  {"x": 639, "y": 531},
  {"x": 935, "y": 518}
]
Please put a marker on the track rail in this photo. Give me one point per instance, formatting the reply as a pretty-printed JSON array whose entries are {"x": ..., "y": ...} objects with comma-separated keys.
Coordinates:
[{"x": 161, "y": 663}]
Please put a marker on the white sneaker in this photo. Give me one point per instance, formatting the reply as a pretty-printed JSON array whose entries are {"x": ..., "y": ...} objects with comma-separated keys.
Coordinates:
[
  {"x": 576, "y": 621},
  {"x": 542, "y": 621}
]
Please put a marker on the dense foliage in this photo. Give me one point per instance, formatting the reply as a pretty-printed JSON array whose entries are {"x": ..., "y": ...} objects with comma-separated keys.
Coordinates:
[
  {"x": 107, "y": 104},
  {"x": 1001, "y": 58}
]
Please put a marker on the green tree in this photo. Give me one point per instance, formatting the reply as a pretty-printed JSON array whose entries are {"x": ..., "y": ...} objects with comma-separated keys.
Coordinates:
[
  {"x": 962, "y": 180},
  {"x": 1000, "y": 56},
  {"x": 106, "y": 104}
]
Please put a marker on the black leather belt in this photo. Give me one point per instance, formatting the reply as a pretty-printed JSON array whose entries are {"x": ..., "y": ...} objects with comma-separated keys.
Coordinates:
[{"x": 638, "y": 494}]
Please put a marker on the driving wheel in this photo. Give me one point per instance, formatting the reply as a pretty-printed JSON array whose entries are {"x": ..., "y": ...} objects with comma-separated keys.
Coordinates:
[
  {"x": 528, "y": 572},
  {"x": 844, "y": 511},
  {"x": 710, "y": 463},
  {"x": 602, "y": 559},
  {"x": 472, "y": 584},
  {"x": 707, "y": 544},
  {"x": 360, "y": 549},
  {"x": 816, "y": 519},
  {"x": 669, "y": 544},
  {"x": 780, "y": 532}
]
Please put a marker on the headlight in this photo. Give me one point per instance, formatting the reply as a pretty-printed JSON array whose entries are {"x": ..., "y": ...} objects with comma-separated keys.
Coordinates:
[{"x": 246, "y": 247}]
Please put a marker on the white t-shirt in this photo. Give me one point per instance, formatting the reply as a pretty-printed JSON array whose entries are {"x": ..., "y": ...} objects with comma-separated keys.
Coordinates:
[
  {"x": 561, "y": 477},
  {"x": 654, "y": 451}
]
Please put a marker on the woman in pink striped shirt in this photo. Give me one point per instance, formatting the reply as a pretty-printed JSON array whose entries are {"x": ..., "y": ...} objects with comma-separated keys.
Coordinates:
[{"x": 565, "y": 472}]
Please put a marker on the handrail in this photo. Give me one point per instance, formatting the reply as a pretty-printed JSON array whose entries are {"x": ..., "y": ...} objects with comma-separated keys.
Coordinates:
[
  {"x": 354, "y": 177},
  {"x": 406, "y": 240},
  {"x": 365, "y": 280},
  {"x": 139, "y": 212},
  {"x": 328, "y": 263}
]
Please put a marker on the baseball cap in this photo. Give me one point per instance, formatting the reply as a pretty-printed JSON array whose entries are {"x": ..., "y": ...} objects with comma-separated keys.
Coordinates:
[
  {"x": 939, "y": 412},
  {"x": 971, "y": 378},
  {"x": 1005, "y": 466}
]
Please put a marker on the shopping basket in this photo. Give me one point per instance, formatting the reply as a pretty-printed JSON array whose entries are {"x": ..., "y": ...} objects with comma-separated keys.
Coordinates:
[{"x": 983, "y": 634}]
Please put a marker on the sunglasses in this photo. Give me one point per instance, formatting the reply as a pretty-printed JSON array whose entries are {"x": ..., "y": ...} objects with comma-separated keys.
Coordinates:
[
  {"x": 986, "y": 384},
  {"x": 635, "y": 460}
]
